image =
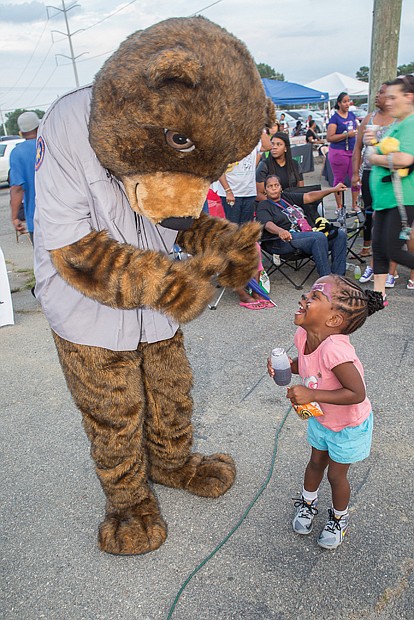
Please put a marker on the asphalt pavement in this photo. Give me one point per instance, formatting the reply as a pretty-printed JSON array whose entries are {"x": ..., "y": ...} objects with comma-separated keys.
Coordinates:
[{"x": 51, "y": 502}]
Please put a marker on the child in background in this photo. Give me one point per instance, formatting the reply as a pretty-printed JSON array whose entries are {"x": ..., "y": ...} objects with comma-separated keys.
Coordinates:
[{"x": 333, "y": 376}]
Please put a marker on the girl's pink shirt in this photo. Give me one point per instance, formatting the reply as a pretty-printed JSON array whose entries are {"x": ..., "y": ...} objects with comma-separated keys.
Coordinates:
[{"x": 315, "y": 370}]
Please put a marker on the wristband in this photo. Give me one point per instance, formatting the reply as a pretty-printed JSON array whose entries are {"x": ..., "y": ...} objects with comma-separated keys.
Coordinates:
[{"x": 228, "y": 190}]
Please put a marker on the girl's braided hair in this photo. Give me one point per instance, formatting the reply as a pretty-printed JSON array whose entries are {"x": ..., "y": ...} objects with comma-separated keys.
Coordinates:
[{"x": 355, "y": 303}]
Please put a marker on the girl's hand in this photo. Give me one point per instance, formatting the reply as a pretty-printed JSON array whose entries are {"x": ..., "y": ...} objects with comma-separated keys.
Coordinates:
[
  {"x": 299, "y": 395},
  {"x": 270, "y": 370},
  {"x": 294, "y": 365},
  {"x": 352, "y": 133}
]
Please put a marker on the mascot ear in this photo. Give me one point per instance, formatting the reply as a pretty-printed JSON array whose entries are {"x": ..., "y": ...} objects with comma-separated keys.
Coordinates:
[{"x": 176, "y": 64}]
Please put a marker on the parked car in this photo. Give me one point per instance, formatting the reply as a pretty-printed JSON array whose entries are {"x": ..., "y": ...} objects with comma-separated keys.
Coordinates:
[
  {"x": 317, "y": 116},
  {"x": 360, "y": 114},
  {"x": 2, "y": 138},
  {"x": 6, "y": 148}
]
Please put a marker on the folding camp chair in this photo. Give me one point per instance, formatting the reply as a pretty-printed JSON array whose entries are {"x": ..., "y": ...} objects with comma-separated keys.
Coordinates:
[
  {"x": 352, "y": 223},
  {"x": 296, "y": 260},
  {"x": 284, "y": 264}
]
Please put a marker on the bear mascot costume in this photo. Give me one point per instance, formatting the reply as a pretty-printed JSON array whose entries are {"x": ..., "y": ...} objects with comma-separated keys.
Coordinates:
[{"x": 122, "y": 171}]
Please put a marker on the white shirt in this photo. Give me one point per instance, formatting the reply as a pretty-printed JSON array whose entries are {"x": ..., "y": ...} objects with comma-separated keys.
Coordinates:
[{"x": 241, "y": 176}]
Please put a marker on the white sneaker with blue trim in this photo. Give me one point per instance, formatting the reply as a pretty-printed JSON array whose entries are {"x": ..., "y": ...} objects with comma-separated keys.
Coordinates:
[{"x": 367, "y": 275}]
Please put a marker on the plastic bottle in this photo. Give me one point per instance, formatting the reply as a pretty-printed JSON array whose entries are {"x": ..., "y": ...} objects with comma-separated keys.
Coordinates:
[
  {"x": 281, "y": 366},
  {"x": 357, "y": 272}
]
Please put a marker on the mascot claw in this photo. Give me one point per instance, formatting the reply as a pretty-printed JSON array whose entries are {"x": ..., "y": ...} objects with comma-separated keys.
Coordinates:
[
  {"x": 135, "y": 531},
  {"x": 206, "y": 476}
]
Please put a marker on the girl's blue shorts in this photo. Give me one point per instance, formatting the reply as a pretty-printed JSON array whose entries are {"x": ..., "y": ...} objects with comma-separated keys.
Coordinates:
[{"x": 350, "y": 445}]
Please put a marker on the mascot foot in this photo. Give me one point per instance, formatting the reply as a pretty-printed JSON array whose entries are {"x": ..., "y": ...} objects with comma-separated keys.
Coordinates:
[
  {"x": 137, "y": 529},
  {"x": 207, "y": 476}
]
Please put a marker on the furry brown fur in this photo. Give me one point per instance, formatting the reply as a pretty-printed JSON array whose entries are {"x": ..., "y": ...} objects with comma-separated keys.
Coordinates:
[
  {"x": 137, "y": 408},
  {"x": 183, "y": 75},
  {"x": 136, "y": 405}
]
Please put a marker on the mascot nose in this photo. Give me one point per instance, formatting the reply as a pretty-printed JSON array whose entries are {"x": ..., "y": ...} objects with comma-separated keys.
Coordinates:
[{"x": 177, "y": 223}]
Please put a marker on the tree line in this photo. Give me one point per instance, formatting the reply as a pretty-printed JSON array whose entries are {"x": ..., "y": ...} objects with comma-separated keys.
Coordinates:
[
  {"x": 363, "y": 72},
  {"x": 11, "y": 121}
]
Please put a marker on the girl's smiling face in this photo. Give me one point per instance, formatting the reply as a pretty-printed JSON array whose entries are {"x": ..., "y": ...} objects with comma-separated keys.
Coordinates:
[{"x": 315, "y": 308}]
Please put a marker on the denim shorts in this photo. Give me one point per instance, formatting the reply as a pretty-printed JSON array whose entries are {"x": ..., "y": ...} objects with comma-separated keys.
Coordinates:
[{"x": 350, "y": 445}]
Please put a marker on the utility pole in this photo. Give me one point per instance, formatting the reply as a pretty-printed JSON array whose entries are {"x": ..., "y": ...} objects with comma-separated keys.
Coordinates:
[
  {"x": 69, "y": 35},
  {"x": 384, "y": 45}
]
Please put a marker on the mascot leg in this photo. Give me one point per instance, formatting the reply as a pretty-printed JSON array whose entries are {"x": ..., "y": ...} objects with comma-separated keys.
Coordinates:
[
  {"x": 107, "y": 388},
  {"x": 169, "y": 433}
]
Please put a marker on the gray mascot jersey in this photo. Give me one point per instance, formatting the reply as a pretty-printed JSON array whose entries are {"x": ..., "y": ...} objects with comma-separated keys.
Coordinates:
[{"x": 75, "y": 195}]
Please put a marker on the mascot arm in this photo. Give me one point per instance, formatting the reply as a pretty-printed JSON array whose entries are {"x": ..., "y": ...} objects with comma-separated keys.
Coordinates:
[
  {"x": 237, "y": 244},
  {"x": 122, "y": 276}
]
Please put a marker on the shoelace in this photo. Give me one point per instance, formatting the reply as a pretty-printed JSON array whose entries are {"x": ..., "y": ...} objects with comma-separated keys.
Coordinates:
[
  {"x": 333, "y": 523},
  {"x": 310, "y": 508}
]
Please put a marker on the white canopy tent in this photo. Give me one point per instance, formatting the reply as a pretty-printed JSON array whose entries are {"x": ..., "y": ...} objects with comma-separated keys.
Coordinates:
[{"x": 336, "y": 83}]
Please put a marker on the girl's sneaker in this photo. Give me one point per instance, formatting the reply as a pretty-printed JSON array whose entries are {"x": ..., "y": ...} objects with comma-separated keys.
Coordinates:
[
  {"x": 410, "y": 285},
  {"x": 367, "y": 275},
  {"x": 334, "y": 531},
  {"x": 305, "y": 513}
]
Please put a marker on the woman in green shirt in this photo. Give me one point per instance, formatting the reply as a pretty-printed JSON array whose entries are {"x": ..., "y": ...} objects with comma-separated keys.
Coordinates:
[{"x": 387, "y": 221}]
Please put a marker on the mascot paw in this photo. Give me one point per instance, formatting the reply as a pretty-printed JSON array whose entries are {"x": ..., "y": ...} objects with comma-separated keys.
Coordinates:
[
  {"x": 243, "y": 256},
  {"x": 207, "y": 476},
  {"x": 188, "y": 288},
  {"x": 135, "y": 530}
]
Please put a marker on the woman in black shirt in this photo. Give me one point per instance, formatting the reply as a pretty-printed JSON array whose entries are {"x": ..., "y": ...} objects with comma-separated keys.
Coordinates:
[
  {"x": 280, "y": 163},
  {"x": 281, "y": 237}
]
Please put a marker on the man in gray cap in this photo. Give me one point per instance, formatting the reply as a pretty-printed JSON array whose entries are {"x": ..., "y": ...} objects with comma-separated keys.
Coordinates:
[{"x": 22, "y": 171}]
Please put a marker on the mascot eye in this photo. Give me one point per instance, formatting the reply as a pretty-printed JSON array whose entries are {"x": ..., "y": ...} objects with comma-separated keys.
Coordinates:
[{"x": 178, "y": 141}]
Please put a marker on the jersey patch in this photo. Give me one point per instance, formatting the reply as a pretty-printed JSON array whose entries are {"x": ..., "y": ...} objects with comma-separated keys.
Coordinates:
[{"x": 40, "y": 152}]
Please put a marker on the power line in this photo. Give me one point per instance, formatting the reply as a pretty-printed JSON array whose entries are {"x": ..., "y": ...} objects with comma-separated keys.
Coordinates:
[
  {"x": 65, "y": 64},
  {"x": 43, "y": 86},
  {"x": 28, "y": 62},
  {"x": 108, "y": 16},
  {"x": 205, "y": 8},
  {"x": 34, "y": 76},
  {"x": 69, "y": 35}
]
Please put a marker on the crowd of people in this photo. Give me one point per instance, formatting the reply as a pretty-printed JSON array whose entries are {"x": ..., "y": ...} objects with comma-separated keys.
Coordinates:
[
  {"x": 377, "y": 158},
  {"x": 264, "y": 183}
]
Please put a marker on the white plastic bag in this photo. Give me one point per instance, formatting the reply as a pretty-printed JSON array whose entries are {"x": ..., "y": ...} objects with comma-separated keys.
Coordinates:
[{"x": 6, "y": 307}]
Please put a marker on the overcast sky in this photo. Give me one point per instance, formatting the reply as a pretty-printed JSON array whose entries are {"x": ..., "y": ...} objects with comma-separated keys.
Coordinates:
[{"x": 303, "y": 39}]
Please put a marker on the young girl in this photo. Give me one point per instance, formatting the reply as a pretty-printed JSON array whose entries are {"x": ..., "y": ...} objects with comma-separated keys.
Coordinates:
[{"x": 333, "y": 376}]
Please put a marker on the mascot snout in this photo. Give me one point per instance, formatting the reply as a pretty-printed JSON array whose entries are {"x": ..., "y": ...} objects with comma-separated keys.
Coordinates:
[{"x": 172, "y": 199}]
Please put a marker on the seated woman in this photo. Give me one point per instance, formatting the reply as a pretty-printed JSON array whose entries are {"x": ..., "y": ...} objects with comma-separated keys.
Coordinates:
[
  {"x": 279, "y": 162},
  {"x": 280, "y": 228}
]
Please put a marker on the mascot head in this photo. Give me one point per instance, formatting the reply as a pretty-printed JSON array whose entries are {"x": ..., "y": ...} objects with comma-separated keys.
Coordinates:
[{"x": 171, "y": 108}]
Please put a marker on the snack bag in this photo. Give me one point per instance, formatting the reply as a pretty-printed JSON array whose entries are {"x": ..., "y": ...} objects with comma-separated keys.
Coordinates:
[{"x": 309, "y": 410}]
